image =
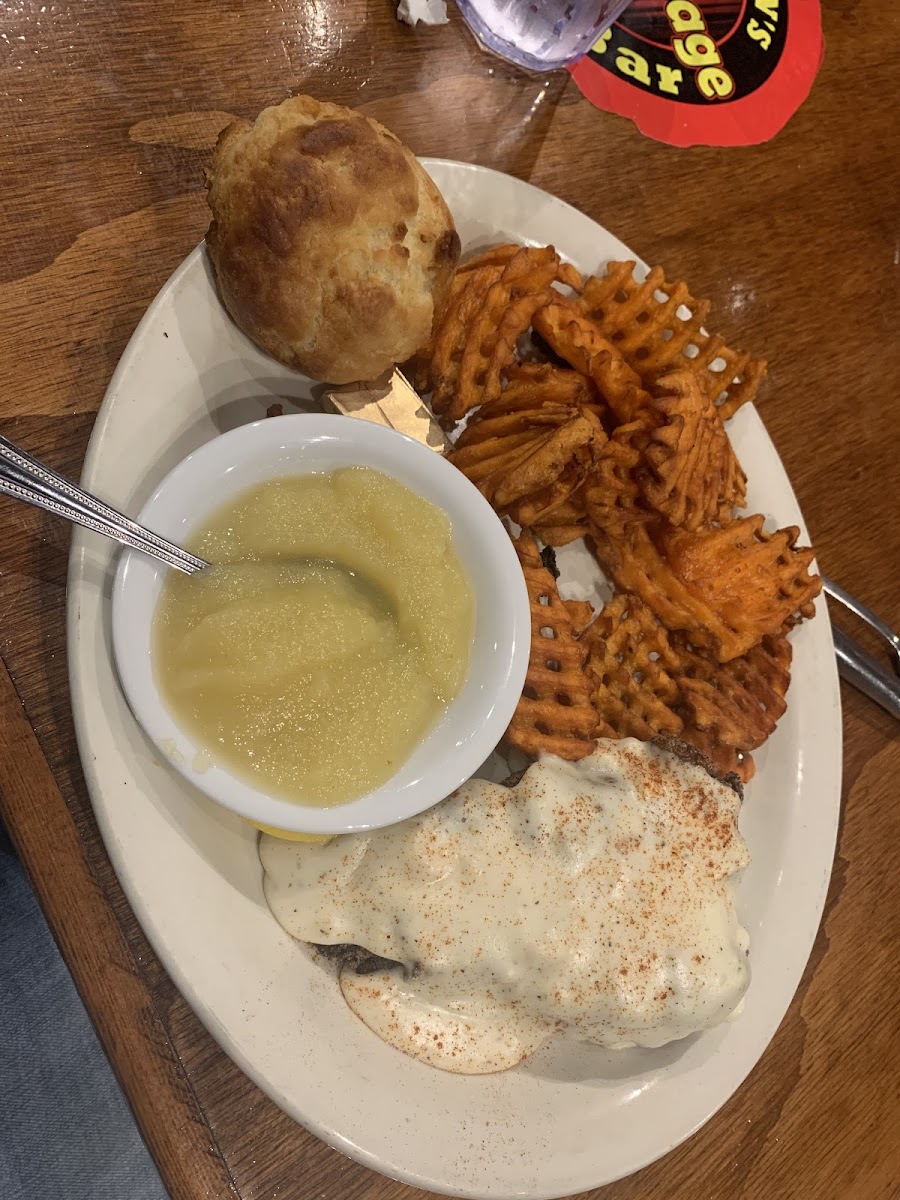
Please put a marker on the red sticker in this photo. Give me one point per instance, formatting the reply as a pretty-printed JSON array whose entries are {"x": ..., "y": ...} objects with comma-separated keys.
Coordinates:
[{"x": 708, "y": 72}]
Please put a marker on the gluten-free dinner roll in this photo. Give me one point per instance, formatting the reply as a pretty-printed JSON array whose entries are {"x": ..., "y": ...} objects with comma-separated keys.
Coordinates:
[{"x": 332, "y": 247}]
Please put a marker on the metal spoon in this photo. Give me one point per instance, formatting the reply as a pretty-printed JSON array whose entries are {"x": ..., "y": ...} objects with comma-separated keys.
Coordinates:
[{"x": 24, "y": 478}]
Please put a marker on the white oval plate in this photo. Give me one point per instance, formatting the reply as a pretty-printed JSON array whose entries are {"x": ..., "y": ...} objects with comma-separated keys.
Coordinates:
[{"x": 573, "y": 1117}]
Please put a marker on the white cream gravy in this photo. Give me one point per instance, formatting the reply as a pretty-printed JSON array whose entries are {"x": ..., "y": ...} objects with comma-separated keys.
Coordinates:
[{"x": 594, "y": 897}]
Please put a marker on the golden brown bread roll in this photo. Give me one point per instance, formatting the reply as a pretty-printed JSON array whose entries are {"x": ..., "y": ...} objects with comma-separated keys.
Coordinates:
[{"x": 332, "y": 247}]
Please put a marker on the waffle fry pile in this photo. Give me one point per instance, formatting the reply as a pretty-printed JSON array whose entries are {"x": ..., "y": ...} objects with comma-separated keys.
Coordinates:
[{"x": 595, "y": 408}]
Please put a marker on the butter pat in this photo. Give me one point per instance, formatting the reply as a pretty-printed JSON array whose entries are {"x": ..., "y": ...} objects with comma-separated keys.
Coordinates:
[
  {"x": 390, "y": 401},
  {"x": 429, "y": 12}
]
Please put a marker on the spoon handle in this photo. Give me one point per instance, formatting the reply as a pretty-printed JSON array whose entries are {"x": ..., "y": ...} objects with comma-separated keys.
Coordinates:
[{"x": 24, "y": 478}]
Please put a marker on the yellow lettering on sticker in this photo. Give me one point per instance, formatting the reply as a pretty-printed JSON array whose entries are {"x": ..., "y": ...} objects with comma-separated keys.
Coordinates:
[
  {"x": 715, "y": 83},
  {"x": 602, "y": 42},
  {"x": 696, "y": 50},
  {"x": 668, "y": 78},
  {"x": 756, "y": 32},
  {"x": 629, "y": 62},
  {"x": 684, "y": 17}
]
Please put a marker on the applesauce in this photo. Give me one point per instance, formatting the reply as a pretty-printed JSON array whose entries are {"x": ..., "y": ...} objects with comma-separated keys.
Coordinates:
[{"x": 332, "y": 630}]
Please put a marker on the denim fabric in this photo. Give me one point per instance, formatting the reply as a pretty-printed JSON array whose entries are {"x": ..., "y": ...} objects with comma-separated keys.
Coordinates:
[{"x": 66, "y": 1132}]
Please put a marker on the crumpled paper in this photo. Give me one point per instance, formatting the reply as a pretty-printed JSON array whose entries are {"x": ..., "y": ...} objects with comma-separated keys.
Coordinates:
[{"x": 429, "y": 12}]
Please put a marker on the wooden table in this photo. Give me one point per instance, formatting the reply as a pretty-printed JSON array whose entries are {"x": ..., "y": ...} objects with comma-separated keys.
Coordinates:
[{"x": 110, "y": 111}]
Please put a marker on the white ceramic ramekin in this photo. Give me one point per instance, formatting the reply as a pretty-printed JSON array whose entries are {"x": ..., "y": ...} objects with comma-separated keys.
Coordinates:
[{"x": 303, "y": 444}]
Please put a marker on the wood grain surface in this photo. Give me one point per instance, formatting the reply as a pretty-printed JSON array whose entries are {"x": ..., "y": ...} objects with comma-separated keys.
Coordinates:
[{"x": 109, "y": 114}]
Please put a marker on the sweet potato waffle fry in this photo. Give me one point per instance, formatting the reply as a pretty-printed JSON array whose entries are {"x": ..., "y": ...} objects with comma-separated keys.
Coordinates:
[
  {"x": 620, "y": 440},
  {"x": 729, "y": 587},
  {"x": 566, "y": 523},
  {"x": 643, "y": 321},
  {"x": 632, "y": 560},
  {"x": 493, "y": 256},
  {"x": 612, "y": 494},
  {"x": 468, "y": 295},
  {"x": 528, "y": 462},
  {"x": 555, "y": 714},
  {"x": 492, "y": 302},
  {"x": 755, "y": 581},
  {"x": 578, "y": 340},
  {"x": 650, "y": 682},
  {"x": 531, "y": 384},
  {"x": 734, "y": 706},
  {"x": 632, "y": 663},
  {"x": 690, "y": 473},
  {"x": 582, "y": 615},
  {"x": 540, "y": 508},
  {"x": 560, "y": 535}
]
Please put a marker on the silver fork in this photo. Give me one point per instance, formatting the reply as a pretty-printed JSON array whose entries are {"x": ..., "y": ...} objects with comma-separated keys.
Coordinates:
[
  {"x": 24, "y": 478},
  {"x": 856, "y": 665}
]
